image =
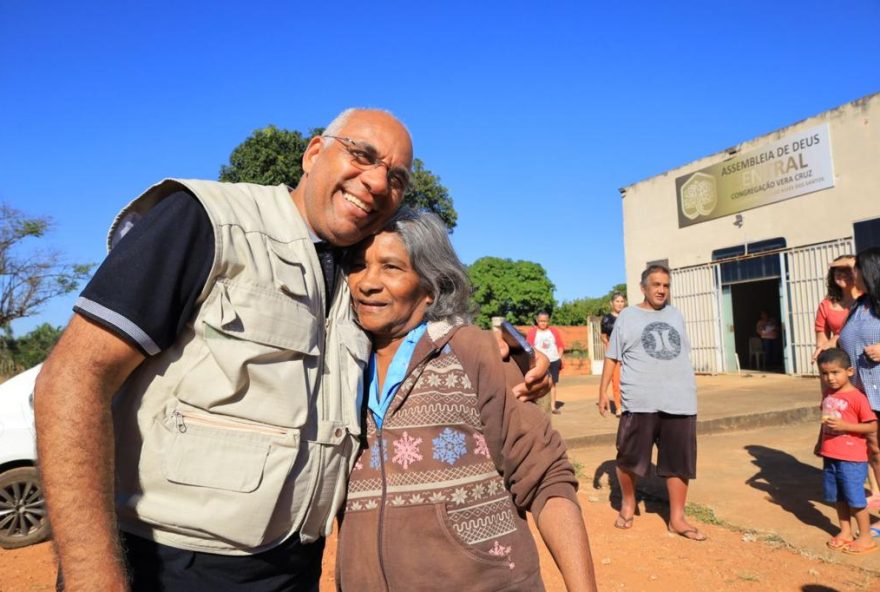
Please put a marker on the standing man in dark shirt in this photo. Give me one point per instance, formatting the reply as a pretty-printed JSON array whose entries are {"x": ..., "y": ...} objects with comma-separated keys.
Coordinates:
[{"x": 233, "y": 372}]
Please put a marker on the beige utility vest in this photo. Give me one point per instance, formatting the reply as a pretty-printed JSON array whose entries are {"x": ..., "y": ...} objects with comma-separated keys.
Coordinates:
[{"x": 244, "y": 431}]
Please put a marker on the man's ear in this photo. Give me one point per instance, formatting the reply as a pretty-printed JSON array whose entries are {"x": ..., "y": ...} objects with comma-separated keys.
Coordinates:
[{"x": 311, "y": 152}]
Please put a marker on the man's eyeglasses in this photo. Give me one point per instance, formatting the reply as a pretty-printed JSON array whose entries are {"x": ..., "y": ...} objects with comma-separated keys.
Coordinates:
[{"x": 365, "y": 157}]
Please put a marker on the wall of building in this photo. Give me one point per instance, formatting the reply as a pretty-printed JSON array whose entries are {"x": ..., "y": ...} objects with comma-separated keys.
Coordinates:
[{"x": 650, "y": 211}]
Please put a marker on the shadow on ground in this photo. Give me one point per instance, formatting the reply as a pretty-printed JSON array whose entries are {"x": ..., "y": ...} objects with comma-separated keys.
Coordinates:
[
  {"x": 650, "y": 490},
  {"x": 794, "y": 486}
]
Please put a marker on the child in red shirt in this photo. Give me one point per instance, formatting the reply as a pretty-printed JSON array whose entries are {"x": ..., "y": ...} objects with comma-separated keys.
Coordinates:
[{"x": 846, "y": 420}]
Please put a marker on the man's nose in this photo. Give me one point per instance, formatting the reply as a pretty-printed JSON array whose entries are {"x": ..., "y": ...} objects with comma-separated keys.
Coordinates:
[{"x": 376, "y": 179}]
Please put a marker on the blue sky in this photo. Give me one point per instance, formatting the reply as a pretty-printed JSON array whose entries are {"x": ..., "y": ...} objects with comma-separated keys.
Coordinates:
[{"x": 532, "y": 114}]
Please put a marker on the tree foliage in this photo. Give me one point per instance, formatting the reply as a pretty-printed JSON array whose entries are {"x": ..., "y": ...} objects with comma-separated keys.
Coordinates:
[
  {"x": 29, "y": 350},
  {"x": 425, "y": 192},
  {"x": 576, "y": 312},
  {"x": 515, "y": 290},
  {"x": 29, "y": 277},
  {"x": 271, "y": 156}
]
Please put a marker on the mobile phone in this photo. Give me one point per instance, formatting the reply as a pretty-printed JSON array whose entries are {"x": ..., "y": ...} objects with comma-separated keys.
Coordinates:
[{"x": 520, "y": 350}]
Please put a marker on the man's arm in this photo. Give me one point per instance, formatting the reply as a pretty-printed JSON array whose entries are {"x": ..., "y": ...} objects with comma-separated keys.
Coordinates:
[
  {"x": 607, "y": 372},
  {"x": 562, "y": 528},
  {"x": 74, "y": 425}
]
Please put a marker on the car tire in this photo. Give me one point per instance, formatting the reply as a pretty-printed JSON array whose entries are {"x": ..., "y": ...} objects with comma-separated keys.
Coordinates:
[{"x": 22, "y": 509}]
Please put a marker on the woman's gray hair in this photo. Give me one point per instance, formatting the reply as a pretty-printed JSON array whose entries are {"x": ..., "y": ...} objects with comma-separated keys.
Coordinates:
[{"x": 441, "y": 273}]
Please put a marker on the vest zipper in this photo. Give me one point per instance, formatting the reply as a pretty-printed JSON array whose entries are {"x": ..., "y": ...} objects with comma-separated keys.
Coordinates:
[
  {"x": 382, "y": 501},
  {"x": 181, "y": 419}
]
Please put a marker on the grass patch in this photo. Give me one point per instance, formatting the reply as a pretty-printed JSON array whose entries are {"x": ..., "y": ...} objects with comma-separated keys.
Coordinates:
[
  {"x": 748, "y": 576},
  {"x": 704, "y": 514},
  {"x": 578, "y": 468}
]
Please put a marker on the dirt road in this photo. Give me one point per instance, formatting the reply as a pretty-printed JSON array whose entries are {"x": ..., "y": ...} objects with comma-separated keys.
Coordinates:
[
  {"x": 644, "y": 558},
  {"x": 762, "y": 483}
]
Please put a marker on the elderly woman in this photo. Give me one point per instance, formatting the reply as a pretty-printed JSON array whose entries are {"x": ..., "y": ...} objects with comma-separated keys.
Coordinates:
[
  {"x": 834, "y": 308},
  {"x": 860, "y": 338},
  {"x": 452, "y": 459}
]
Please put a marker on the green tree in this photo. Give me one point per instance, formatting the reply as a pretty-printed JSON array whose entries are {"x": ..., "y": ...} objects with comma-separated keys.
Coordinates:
[
  {"x": 425, "y": 192},
  {"x": 515, "y": 290},
  {"x": 31, "y": 349},
  {"x": 576, "y": 312},
  {"x": 271, "y": 156}
]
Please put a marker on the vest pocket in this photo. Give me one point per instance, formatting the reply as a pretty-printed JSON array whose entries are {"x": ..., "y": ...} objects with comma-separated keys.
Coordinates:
[
  {"x": 261, "y": 315},
  {"x": 260, "y": 357},
  {"x": 222, "y": 477}
]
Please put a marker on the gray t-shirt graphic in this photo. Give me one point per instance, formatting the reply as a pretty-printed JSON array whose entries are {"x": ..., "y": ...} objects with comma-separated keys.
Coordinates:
[{"x": 654, "y": 351}]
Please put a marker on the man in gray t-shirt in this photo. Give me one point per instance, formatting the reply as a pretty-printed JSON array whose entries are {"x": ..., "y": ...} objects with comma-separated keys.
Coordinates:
[{"x": 659, "y": 397}]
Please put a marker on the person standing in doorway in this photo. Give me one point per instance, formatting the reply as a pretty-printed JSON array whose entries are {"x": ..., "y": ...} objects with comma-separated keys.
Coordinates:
[
  {"x": 618, "y": 303},
  {"x": 548, "y": 341},
  {"x": 767, "y": 329},
  {"x": 659, "y": 396}
]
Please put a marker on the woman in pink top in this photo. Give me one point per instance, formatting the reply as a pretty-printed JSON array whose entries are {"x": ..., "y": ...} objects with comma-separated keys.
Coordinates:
[
  {"x": 833, "y": 310},
  {"x": 830, "y": 319}
]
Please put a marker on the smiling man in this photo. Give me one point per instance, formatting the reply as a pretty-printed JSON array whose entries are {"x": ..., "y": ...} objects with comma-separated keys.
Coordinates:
[
  {"x": 233, "y": 366},
  {"x": 659, "y": 399}
]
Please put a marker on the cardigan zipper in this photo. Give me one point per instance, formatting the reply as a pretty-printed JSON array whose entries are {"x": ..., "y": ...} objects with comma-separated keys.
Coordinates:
[{"x": 382, "y": 501}]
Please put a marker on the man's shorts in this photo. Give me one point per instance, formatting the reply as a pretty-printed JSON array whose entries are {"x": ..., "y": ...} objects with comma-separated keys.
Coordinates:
[
  {"x": 554, "y": 370},
  {"x": 845, "y": 481},
  {"x": 674, "y": 435}
]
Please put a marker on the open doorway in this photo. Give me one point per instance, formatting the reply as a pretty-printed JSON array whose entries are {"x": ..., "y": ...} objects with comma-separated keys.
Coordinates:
[{"x": 749, "y": 300}]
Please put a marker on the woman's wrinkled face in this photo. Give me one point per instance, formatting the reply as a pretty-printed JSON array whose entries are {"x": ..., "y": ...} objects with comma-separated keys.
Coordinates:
[{"x": 386, "y": 293}]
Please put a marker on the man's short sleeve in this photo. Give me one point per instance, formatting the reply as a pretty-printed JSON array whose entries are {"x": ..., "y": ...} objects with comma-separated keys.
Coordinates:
[{"x": 146, "y": 289}]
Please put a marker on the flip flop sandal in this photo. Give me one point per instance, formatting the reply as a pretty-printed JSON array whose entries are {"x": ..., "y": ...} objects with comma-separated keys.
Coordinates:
[
  {"x": 854, "y": 549},
  {"x": 623, "y": 523},
  {"x": 691, "y": 534},
  {"x": 837, "y": 543}
]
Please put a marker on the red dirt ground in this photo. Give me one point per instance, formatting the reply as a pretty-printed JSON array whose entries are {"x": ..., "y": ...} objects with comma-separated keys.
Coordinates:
[{"x": 644, "y": 558}]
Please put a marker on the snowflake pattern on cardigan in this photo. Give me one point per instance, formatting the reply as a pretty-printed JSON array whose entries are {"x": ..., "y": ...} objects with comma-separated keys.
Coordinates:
[
  {"x": 406, "y": 450},
  {"x": 449, "y": 446}
]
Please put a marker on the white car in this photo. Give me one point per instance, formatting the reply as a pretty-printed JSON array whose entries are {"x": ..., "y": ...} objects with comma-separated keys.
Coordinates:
[{"x": 22, "y": 509}]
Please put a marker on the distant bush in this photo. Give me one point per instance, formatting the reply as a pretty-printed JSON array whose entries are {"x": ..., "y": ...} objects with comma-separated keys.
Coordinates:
[{"x": 19, "y": 354}]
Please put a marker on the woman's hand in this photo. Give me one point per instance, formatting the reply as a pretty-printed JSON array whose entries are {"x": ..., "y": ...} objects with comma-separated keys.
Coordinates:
[
  {"x": 537, "y": 380},
  {"x": 873, "y": 352}
]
